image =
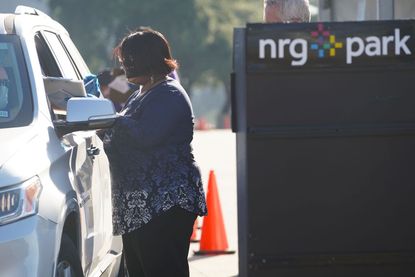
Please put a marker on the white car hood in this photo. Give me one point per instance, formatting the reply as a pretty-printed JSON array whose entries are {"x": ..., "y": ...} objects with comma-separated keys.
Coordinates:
[{"x": 12, "y": 140}]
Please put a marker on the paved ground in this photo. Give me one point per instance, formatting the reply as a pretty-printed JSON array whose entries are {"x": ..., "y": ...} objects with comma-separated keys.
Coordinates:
[{"x": 215, "y": 150}]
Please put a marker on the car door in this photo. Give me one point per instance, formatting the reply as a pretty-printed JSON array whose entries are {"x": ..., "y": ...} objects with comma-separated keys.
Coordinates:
[
  {"x": 103, "y": 183},
  {"x": 56, "y": 62}
]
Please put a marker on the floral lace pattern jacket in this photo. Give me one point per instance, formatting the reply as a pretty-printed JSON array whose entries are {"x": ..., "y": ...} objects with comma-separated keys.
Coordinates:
[{"x": 151, "y": 160}]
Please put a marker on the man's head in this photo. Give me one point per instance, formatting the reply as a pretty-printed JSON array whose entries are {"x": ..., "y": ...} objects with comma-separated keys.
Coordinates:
[{"x": 286, "y": 11}]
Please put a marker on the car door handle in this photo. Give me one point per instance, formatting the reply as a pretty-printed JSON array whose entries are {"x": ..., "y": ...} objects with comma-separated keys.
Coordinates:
[{"x": 92, "y": 150}]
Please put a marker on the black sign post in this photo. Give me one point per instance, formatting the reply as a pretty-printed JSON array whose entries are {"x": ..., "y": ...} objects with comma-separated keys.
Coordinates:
[{"x": 324, "y": 115}]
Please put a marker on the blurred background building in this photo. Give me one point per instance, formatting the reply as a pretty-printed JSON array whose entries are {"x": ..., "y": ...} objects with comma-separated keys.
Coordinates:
[{"x": 357, "y": 10}]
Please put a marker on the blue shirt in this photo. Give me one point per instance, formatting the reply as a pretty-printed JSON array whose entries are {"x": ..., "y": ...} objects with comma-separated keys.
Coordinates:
[{"x": 151, "y": 160}]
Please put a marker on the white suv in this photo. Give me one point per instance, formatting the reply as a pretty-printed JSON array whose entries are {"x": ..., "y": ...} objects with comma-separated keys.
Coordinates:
[{"x": 55, "y": 191}]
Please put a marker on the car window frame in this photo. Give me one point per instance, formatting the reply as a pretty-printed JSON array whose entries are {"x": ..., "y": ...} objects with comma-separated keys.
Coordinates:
[
  {"x": 74, "y": 54},
  {"x": 47, "y": 56},
  {"x": 57, "y": 60}
]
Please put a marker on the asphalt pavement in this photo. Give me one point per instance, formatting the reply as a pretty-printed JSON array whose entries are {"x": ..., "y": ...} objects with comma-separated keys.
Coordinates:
[{"x": 215, "y": 150}]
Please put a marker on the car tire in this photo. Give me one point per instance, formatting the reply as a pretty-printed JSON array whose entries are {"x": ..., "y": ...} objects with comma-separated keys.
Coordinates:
[{"x": 68, "y": 260}]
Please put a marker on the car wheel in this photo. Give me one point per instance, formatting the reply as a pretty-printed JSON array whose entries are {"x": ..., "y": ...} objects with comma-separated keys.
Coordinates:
[{"x": 68, "y": 259}]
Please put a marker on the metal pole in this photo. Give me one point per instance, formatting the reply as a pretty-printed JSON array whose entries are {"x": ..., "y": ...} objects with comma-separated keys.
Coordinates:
[
  {"x": 361, "y": 10},
  {"x": 385, "y": 9}
]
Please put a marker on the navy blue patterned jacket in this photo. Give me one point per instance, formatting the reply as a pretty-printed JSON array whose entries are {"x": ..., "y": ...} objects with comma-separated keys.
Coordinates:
[{"x": 151, "y": 160}]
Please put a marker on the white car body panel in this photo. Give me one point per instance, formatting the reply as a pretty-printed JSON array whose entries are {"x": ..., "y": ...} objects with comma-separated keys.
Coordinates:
[{"x": 72, "y": 181}]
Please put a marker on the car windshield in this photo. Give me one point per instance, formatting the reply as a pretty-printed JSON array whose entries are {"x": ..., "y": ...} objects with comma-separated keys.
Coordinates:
[{"x": 16, "y": 105}]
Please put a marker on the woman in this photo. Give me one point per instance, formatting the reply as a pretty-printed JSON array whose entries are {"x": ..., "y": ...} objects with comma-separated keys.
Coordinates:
[{"x": 157, "y": 190}]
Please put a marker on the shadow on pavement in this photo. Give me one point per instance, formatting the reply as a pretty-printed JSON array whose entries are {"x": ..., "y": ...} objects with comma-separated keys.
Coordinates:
[{"x": 199, "y": 257}]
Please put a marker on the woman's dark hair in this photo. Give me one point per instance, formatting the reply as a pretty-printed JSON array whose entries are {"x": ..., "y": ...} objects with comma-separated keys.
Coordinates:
[{"x": 145, "y": 53}]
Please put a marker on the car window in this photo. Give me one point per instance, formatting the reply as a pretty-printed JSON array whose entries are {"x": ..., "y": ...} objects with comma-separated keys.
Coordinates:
[
  {"x": 16, "y": 103},
  {"x": 60, "y": 75},
  {"x": 65, "y": 63},
  {"x": 47, "y": 62},
  {"x": 75, "y": 55}
]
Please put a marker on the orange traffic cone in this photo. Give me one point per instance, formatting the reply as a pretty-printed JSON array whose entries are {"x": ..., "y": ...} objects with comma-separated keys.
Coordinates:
[
  {"x": 193, "y": 238},
  {"x": 213, "y": 239}
]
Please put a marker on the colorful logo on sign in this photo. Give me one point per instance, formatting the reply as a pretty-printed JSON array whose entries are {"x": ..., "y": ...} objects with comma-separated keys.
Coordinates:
[{"x": 324, "y": 42}]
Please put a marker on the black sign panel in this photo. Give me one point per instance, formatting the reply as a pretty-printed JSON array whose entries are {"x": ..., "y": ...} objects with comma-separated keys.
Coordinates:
[
  {"x": 282, "y": 47},
  {"x": 326, "y": 148}
]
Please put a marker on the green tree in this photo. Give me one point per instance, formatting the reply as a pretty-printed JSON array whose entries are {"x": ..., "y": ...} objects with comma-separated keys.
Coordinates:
[{"x": 200, "y": 31}]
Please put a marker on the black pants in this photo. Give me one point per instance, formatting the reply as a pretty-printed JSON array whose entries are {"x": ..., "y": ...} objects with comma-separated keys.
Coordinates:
[{"x": 160, "y": 247}]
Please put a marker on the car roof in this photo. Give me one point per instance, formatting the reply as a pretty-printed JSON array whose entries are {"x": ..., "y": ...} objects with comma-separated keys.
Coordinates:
[{"x": 25, "y": 18}]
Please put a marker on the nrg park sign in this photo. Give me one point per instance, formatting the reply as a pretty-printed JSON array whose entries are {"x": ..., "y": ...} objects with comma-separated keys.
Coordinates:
[{"x": 330, "y": 44}]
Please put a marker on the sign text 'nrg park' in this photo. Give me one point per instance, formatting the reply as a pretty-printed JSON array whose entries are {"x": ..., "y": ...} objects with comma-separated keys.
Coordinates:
[{"x": 337, "y": 44}]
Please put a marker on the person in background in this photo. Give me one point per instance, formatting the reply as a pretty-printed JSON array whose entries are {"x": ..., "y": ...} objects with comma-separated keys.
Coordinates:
[
  {"x": 120, "y": 88},
  {"x": 156, "y": 190},
  {"x": 114, "y": 86},
  {"x": 286, "y": 11},
  {"x": 104, "y": 78}
]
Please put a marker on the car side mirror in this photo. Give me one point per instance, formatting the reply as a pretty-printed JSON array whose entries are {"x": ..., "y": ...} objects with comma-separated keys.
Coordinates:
[{"x": 86, "y": 113}]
